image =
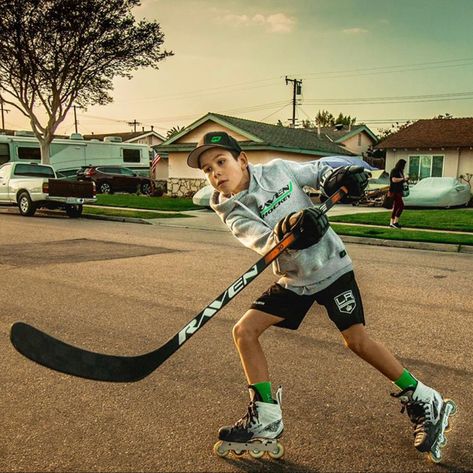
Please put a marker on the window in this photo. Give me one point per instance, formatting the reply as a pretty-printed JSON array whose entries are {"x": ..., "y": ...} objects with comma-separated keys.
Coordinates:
[
  {"x": 4, "y": 153},
  {"x": 425, "y": 166},
  {"x": 127, "y": 172},
  {"x": 33, "y": 170},
  {"x": 131, "y": 155},
  {"x": 28, "y": 153}
]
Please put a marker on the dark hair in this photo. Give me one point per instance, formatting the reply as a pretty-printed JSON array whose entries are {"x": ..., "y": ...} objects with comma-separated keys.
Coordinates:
[{"x": 400, "y": 165}]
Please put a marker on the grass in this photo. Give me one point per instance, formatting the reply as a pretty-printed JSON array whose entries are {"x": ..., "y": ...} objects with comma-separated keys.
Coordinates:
[
  {"x": 454, "y": 219},
  {"x": 403, "y": 235},
  {"x": 132, "y": 213},
  {"x": 144, "y": 202}
]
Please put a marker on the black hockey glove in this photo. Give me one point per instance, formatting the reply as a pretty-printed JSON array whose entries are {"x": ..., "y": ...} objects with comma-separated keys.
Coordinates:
[
  {"x": 354, "y": 178},
  {"x": 310, "y": 223}
]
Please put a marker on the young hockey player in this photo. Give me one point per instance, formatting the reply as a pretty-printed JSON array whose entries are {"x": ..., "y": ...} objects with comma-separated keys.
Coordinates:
[{"x": 260, "y": 204}]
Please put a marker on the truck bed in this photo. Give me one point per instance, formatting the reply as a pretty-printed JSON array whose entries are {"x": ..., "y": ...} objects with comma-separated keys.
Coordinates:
[{"x": 63, "y": 188}]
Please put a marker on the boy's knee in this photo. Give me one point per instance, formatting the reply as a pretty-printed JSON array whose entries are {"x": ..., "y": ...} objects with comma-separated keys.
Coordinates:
[
  {"x": 358, "y": 342},
  {"x": 244, "y": 332}
]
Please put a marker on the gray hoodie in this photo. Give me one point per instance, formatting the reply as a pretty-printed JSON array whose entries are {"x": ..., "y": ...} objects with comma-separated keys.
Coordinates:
[{"x": 275, "y": 190}]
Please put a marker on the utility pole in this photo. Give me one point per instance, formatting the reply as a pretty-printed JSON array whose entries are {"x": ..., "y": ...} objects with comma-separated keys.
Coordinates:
[
  {"x": 134, "y": 123},
  {"x": 3, "y": 114},
  {"x": 297, "y": 90},
  {"x": 75, "y": 116}
]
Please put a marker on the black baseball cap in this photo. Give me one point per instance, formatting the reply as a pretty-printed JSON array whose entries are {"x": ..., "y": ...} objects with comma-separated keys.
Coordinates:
[{"x": 213, "y": 139}]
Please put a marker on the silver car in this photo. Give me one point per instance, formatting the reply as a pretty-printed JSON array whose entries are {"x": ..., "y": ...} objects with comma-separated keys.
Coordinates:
[{"x": 438, "y": 192}]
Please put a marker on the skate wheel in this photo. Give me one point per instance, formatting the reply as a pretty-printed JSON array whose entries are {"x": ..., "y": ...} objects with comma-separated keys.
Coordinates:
[
  {"x": 238, "y": 453},
  {"x": 278, "y": 453},
  {"x": 435, "y": 458},
  {"x": 443, "y": 442},
  {"x": 219, "y": 450},
  {"x": 255, "y": 453},
  {"x": 452, "y": 405}
]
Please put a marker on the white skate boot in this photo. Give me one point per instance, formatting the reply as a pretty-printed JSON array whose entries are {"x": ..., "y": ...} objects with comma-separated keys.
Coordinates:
[
  {"x": 429, "y": 413},
  {"x": 256, "y": 432}
]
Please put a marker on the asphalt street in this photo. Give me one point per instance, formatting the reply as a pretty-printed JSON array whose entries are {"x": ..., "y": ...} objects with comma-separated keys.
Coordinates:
[{"x": 124, "y": 288}]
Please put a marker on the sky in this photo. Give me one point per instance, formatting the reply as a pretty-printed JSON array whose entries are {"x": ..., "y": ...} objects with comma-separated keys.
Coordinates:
[{"x": 377, "y": 60}]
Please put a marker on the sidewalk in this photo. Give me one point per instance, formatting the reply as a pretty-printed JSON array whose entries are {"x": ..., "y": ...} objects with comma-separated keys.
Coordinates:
[{"x": 206, "y": 219}]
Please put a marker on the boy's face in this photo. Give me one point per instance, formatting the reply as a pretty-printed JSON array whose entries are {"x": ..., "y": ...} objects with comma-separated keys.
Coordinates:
[{"x": 225, "y": 173}]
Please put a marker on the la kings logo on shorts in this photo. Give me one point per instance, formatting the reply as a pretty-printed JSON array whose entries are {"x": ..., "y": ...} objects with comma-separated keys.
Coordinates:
[{"x": 346, "y": 302}]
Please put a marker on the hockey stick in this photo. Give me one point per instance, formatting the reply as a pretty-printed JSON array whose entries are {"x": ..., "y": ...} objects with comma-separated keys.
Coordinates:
[{"x": 57, "y": 355}]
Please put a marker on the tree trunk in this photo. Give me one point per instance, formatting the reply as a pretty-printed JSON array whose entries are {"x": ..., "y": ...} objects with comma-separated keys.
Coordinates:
[{"x": 44, "y": 151}]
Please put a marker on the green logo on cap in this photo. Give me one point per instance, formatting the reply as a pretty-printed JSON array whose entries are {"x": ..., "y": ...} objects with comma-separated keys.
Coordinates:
[{"x": 215, "y": 139}]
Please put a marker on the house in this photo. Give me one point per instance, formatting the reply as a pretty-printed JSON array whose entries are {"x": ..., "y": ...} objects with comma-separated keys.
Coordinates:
[
  {"x": 264, "y": 142},
  {"x": 355, "y": 138},
  {"x": 435, "y": 147}
]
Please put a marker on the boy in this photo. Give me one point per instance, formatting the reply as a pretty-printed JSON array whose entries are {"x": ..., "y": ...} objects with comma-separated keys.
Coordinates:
[{"x": 260, "y": 204}]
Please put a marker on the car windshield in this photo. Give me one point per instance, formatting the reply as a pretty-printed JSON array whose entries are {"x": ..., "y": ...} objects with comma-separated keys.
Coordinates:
[{"x": 33, "y": 170}]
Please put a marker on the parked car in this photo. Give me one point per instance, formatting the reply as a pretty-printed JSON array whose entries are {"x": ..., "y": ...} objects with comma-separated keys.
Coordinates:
[
  {"x": 31, "y": 186},
  {"x": 438, "y": 192},
  {"x": 110, "y": 179}
]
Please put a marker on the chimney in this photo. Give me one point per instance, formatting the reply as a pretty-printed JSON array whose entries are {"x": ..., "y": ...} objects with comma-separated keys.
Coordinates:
[
  {"x": 143, "y": 129},
  {"x": 152, "y": 126}
]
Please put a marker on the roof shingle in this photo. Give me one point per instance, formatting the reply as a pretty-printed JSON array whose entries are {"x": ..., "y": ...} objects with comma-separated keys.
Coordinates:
[
  {"x": 282, "y": 137},
  {"x": 434, "y": 133}
]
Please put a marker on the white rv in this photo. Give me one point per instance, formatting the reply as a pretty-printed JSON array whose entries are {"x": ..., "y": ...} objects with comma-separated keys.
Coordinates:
[{"x": 70, "y": 154}]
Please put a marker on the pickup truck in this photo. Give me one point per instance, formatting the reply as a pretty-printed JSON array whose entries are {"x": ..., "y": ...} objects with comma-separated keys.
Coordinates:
[{"x": 30, "y": 186}]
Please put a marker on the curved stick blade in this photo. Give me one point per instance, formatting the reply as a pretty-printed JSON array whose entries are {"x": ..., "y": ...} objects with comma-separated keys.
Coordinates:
[{"x": 57, "y": 355}]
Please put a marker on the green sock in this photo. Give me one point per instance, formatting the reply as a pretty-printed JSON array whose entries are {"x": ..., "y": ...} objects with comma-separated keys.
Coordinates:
[
  {"x": 264, "y": 390},
  {"x": 406, "y": 380}
]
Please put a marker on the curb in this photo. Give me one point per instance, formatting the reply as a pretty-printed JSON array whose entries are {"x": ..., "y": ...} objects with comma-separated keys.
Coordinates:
[
  {"x": 118, "y": 219},
  {"x": 415, "y": 245}
]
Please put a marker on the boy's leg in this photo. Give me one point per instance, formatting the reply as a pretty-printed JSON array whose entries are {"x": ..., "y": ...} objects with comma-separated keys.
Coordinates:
[
  {"x": 373, "y": 352},
  {"x": 264, "y": 417},
  {"x": 246, "y": 335}
]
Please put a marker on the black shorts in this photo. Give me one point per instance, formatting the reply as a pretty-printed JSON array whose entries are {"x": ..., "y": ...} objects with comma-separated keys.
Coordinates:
[{"x": 341, "y": 299}]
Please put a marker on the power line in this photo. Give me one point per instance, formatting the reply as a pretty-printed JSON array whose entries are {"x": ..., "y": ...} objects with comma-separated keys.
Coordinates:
[{"x": 309, "y": 76}]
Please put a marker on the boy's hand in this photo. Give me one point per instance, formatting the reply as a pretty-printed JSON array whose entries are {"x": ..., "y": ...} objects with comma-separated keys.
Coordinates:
[
  {"x": 354, "y": 178},
  {"x": 311, "y": 223}
]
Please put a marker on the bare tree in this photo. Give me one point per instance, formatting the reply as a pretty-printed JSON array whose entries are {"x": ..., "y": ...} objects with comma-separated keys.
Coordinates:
[{"x": 54, "y": 53}]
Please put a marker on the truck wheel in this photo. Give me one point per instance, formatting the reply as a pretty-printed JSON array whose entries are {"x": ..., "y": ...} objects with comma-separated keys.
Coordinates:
[
  {"x": 74, "y": 211},
  {"x": 26, "y": 206},
  {"x": 145, "y": 188},
  {"x": 105, "y": 188}
]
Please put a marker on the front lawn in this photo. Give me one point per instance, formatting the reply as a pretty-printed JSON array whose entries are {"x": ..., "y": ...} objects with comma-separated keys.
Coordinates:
[
  {"x": 145, "y": 202},
  {"x": 450, "y": 219}
]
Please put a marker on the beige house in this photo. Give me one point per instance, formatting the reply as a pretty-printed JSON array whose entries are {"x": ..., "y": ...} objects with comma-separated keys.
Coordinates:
[
  {"x": 436, "y": 147},
  {"x": 355, "y": 138},
  {"x": 261, "y": 141}
]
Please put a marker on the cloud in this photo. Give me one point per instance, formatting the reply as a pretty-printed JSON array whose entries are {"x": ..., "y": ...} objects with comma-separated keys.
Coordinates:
[
  {"x": 276, "y": 23},
  {"x": 355, "y": 31}
]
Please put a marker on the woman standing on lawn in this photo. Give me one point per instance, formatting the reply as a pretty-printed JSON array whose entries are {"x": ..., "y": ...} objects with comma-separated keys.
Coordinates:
[{"x": 396, "y": 183}]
